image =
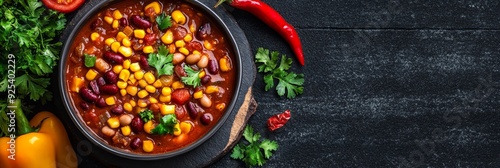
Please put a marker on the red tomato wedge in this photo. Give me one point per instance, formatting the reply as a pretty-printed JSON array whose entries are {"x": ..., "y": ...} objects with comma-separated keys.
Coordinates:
[{"x": 64, "y": 6}]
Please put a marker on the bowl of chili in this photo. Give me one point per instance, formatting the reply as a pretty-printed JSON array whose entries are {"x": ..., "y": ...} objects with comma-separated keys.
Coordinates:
[{"x": 149, "y": 80}]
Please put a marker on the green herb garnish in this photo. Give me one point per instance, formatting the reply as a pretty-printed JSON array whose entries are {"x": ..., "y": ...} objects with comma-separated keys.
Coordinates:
[
  {"x": 288, "y": 82},
  {"x": 162, "y": 61},
  {"x": 192, "y": 77},
  {"x": 146, "y": 115},
  {"x": 164, "y": 21},
  {"x": 251, "y": 153},
  {"x": 166, "y": 125},
  {"x": 89, "y": 60}
]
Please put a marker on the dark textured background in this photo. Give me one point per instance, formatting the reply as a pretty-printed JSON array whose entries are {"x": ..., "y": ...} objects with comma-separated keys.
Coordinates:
[{"x": 388, "y": 83}]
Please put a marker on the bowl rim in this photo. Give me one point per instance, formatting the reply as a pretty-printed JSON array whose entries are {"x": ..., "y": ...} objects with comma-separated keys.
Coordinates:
[{"x": 98, "y": 141}]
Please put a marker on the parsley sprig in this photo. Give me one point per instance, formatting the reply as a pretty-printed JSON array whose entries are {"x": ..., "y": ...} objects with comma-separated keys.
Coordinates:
[
  {"x": 146, "y": 115},
  {"x": 166, "y": 125},
  {"x": 288, "y": 82},
  {"x": 164, "y": 21},
  {"x": 162, "y": 61},
  {"x": 251, "y": 153},
  {"x": 192, "y": 77}
]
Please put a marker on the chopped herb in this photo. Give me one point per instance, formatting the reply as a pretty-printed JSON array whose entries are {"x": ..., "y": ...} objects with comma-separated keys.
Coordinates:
[
  {"x": 288, "y": 82},
  {"x": 164, "y": 21},
  {"x": 162, "y": 61},
  {"x": 251, "y": 153},
  {"x": 89, "y": 60},
  {"x": 146, "y": 115},
  {"x": 166, "y": 125},
  {"x": 192, "y": 77}
]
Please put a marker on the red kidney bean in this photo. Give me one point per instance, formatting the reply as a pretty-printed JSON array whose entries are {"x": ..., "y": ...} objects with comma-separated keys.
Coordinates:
[
  {"x": 101, "y": 81},
  {"x": 204, "y": 31},
  {"x": 206, "y": 118},
  {"x": 180, "y": 112},
  {"x": 179, "y": 70},
  {"x": 213, "y": 68},
  {"x": 95, "y": 87},
  {"x": 88, "y": 95},
  {"x": 113, "y": 57},
  {"x": 118, "y": 109},
  {"x": 101, "y": 102},
  {"x": 109, "y": 89},
  {"x": 136, "y": 143},
  {"x": 180, "y": 96},
  {"x": 194, "y": 45},
  {"x": 111, "y": 77},
  {"x": 84, "y": 105},
  {"x": 149, "y": 39},
  {"x": 191, "y": 108},
  {"x": 140, "y": 22},
  {"x": 123, "y": 22},
  {"x": 179, "y": 32},
  {"x": 97, "y": 23},
  {"x": 144, "y": 62},
  {"x": 205, "y": 79},
  {"x": 136, "y": 125}
]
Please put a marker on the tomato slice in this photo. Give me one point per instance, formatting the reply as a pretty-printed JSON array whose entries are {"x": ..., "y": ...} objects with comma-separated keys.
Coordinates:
[{"x": 64, "y": 6}]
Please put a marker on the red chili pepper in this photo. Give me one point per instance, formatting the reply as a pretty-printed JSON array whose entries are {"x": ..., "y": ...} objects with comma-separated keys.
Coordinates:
[
  {"x": 273, "y": 19},
  {"x": 278, "y": 120}
]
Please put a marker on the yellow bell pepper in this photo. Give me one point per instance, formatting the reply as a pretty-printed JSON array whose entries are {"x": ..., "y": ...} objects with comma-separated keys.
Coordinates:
[{"x": 47, "y": 146}]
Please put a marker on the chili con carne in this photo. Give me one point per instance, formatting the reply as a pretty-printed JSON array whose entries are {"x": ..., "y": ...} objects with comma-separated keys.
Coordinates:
[
  {"x": 272, "y": 18},
  {"x": 278, "y": 120}
]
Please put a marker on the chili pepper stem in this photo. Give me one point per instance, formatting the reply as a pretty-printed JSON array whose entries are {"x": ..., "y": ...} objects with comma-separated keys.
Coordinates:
[
  {"x": 22, "y": 123},
  {"x": 222, "y": 1}
]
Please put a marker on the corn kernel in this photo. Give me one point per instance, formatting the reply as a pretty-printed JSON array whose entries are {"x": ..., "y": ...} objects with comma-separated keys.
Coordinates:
[
  {"x": 110, "y": 100},
  {"x": 184, "y": 51},
  {"x": 138, "y": 75},
  {"x": 196, "y": 52},
  {"x": 225, "y": 64},
  {"x": 147, "y": 145},
  {"x": 134, "y": 67},
  {"x": 110, "y": 40},
  {"x": 139, "y": 33},
  {"x": 142, "y": 103},
  {"x": 108, "y": 19},
  {"x": 207, "y": 45},
  {"x": 167, "y": 109},
  {"x": 121, "y": 84},
  {"x": 124, "y": 75},
  {"x": 211, "y": 89},
  {"x": 177, "y": 129},
  {"x": 148, "y": 126},
  {"x": 186, "y": 127},
  {"x": 180, "y": 43},
  {"x": 171, "y": 48},
  {"x": 115, "y": 24},
  {"x": 123, "y": 92},
  {"x": 126, "y": 42},
  {"x": 128, "y": 31},
  {"x": 115, "y": 45},
  {"x": 148, "y": 49},
  {"x": 117, "y": 14},
  {"x": 143, "y": 83},
  {"x": 155, "y": 5},
  {"x": 132, "y": 80},
  {"x": 220, "y": 106},
  {"x": 125, "y": 130},
  {"x": 192, "y": 27},
  {"x": 149, "y": 77},
  {"x": 133, "y": 103},
  {"x": 142, "y": 93},
  {"x": 132, "y": 90},
  {"x": 153, "y": 100},
  {"x": 91, "y": 74},
  {"x": 117, "y": 69},
  {"x": 188, "y": 38},
  {"x": 201, "y": 74},
  {"x": 94, "y": 36},
  {"x": 178, "y": 17},
  {"x": 177, "y": 85},
  {"x": 150, "y": 88},
  {"x": 125, "y": 51},
  {"x": 127, "y": 107},
  {"x": 168, "y": 37},
  {"x": 198, "y": 94},
  {"x": 120, "y": 36},
  {"x": 113, "y": 122},
  {"x": 165, "y": 99},
  {"x": 157, "y": 84}
]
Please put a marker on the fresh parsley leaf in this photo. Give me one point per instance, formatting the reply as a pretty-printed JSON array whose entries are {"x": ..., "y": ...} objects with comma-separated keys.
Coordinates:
[
  {"x": 166, "y": 125},
  {"x": 164, "y": 21},
  {"x": 192, "y": 77},
  {"x": 162, "y": 61},
  {"x": 251, "y": 152},
  {"x": 146, "y": 115},
  {"x": 89, "y": 60},
  {"x": 289, "y": 83}
]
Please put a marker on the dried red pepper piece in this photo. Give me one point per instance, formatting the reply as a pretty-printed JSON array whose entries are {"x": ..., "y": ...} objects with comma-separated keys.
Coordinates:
[{"x": 278, "y": 120}]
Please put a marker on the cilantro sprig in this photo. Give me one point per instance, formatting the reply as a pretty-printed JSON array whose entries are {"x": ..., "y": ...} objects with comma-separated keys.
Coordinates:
[
  {"x": 146, "y": 115},
  {"x": 251, "y": 153},
  {"x": 288, "y": 82},
  {"x": 162, "y": 61},
  {"x": 164, "y": 21},
  {"x": 192, "y": 77},
  {"x": 166, "y": 125}
]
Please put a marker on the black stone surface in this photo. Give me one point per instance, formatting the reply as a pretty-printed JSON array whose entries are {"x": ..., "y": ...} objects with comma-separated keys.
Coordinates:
[{"x": 389, "y": 83}]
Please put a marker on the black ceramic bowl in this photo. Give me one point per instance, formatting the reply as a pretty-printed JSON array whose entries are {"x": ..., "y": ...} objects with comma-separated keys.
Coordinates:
[{"x": 93, "y": 137}]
